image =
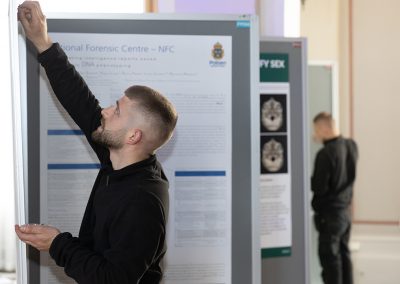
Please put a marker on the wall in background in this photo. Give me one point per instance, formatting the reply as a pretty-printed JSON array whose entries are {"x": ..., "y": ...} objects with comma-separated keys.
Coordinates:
[
  {"x": 212, "y": 6},
  {"x": 376, "y": 58},
  {"x": 361, "y": 36}
]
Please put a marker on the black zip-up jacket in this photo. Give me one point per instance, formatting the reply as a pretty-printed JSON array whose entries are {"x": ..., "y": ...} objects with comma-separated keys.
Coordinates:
[
  {"x": 122, "y": 235},
  {"x": 334, "y": 175}
]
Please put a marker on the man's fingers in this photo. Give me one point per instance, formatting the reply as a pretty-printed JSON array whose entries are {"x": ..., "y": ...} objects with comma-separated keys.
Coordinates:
[
  {"x": 30, "y": 10},
  {"x": 26, "y": 229},
  {"x": 36, "y": 14},
  {"x": 32, "y": 228},
  {"x": 38, "y": 10},
  {"x": 39, "y": 236},
  {"x": 25, "y": 22},
  {"x": 26, "y": 238},
  {"x": 36, "y": 229},
  {"x": 29, "y": 239},
  {"x": 29, "y": 234},
  {"x": 18, "y": 230},
  {"x": 25, "y": 18},
  {"x": 30, "y": 5}
]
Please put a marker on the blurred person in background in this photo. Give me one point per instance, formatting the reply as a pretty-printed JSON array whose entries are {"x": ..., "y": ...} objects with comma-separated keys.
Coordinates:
[{"x": 332, "y": 186}]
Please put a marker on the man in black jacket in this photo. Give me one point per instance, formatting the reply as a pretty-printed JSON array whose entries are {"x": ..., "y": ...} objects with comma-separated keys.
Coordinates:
[
  {"x": 332, "y": 185},
  {"x": 122, "y": 235}
]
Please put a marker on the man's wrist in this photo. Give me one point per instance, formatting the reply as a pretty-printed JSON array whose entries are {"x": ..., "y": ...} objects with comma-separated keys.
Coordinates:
[{"x": 43, "y": 46}]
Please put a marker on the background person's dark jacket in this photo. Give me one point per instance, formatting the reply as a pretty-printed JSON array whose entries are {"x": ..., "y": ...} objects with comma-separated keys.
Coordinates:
[
  {"x": 334, "y": 175},
  {"x": 122, "y": 235}
]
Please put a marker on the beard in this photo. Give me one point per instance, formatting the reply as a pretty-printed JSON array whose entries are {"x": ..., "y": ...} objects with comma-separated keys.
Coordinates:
[{"x": 108, "y": 138}]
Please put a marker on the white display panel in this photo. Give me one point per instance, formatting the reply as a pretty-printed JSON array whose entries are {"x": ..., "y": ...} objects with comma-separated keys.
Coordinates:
[
  {"x": 275, "y": 175},
  {"x": 190, "y": 71}
]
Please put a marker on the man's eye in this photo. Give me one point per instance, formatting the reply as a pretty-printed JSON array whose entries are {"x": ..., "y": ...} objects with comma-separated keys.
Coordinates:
[{"x": 116, "y": 108}]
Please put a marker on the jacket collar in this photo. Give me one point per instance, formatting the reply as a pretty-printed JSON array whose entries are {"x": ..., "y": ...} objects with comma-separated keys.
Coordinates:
[
  {"x": 332, "y": 139},
  {"x": 131, "y": 169}
]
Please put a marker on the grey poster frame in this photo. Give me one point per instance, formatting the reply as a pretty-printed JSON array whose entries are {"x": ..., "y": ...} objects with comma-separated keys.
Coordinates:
[
  {"x": 294, "y": 268},
  {"x": 246, "y": 263}
]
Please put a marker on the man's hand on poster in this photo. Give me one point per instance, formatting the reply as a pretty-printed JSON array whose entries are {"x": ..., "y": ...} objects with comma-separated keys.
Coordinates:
[
  {"x": 34, "y": 23},
  {"x": 38, "y": 236}
]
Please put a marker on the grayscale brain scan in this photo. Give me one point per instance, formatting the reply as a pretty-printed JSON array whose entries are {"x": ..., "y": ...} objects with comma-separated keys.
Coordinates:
[
  {"x": 272, "y": 114},
  {"x": 272, "y": 156}
]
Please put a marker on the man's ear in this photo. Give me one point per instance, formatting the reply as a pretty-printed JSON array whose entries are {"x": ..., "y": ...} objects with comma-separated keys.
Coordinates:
[{"x": 135, "y": 136}]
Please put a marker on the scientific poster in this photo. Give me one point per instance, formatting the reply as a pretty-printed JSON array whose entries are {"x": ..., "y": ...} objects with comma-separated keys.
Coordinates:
[
  {"x": 195, "y": 73},
  {"x": 275, "y": 175}
]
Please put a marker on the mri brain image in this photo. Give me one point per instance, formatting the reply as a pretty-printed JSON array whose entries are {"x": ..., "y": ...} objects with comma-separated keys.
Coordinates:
[
  {"x": 272, "y": 156},
  {"x": 272, "y": 114}
]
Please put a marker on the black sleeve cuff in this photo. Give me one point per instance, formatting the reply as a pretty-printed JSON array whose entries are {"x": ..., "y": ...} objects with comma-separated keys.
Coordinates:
[
  {"x": 49, "y": 53},
  {"x": 57, "y": 246}
]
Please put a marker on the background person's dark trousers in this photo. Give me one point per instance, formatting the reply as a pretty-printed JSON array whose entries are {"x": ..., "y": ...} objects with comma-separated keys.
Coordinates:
[{"x": 333, "y": 248}]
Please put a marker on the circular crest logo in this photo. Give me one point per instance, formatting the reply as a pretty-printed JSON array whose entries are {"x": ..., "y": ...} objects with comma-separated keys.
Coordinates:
[{"x": 218, "y": 51}]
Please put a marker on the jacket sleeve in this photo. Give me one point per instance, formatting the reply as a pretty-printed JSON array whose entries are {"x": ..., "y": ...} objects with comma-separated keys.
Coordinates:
[
  {"x": 322, "y": 173},
  {"x": 72, "y": 91},
  {"x": 135, "y": 236},
  {"x": 351, "y": 161}
]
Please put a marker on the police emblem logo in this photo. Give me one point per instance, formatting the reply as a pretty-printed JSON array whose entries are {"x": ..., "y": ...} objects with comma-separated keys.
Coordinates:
[{"x": 218, "y": 51}]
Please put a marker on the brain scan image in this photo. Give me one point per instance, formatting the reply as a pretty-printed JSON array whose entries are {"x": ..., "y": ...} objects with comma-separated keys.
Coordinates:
[
  {"x": 272, "y": 115},
  {"x": 272, "y": 156}
]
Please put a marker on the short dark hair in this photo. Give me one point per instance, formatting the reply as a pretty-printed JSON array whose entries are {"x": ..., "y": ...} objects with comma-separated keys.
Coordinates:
[
  {"x": 158, "y": 107},
  {"x": 324, "y": 117}
]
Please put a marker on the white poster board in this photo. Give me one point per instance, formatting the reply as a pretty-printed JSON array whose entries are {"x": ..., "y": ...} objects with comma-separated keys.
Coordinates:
[
  {"x": 275, "y": 155},
  {"x": 197, "y": 161}
]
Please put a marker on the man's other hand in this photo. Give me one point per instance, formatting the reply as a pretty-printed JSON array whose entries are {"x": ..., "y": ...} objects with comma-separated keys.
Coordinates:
[{"x": 38, "y": 236}]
